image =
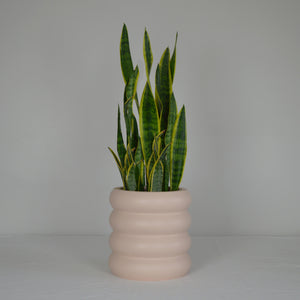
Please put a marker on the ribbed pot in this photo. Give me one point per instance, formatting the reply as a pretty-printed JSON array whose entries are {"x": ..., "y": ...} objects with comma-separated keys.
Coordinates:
[{"x": 150, "y": 236}]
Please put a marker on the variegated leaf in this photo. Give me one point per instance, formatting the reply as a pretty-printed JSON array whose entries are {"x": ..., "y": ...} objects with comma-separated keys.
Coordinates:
[
  {"x": 125, "y": 56},
  {"x": 147, "y": 54},
  {"x": 156, "y": 177},
  {"x": 149, "y": 122},
  {"x": 120, "y": 142},
  {"x": 121, "y": 170},
  {"x": 173, "y": 60},
  {"x": 178, "y": 150},
  {"x": 130, "y": 177}
]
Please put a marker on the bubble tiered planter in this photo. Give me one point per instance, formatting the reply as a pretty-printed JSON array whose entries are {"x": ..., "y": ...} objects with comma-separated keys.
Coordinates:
[{"x": 150, "y": 236}]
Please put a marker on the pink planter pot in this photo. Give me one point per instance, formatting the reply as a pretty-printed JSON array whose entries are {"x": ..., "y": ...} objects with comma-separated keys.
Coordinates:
[{"x": 150, "y": 236}]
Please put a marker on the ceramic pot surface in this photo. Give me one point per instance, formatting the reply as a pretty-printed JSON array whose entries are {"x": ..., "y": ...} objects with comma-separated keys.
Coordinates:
[{"x": 150, "y": 236}]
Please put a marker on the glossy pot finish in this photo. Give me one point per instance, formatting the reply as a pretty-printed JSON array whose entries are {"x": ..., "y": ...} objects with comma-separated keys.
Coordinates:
[{"x": 150, "y": 236}]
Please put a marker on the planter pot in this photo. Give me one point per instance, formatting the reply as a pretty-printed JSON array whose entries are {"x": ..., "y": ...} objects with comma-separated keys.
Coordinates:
[{"x": 150, "y": 236}]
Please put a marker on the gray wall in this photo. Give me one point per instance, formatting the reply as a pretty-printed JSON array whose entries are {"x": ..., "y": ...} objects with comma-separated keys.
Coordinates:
[{"x": 238, "y": 72}]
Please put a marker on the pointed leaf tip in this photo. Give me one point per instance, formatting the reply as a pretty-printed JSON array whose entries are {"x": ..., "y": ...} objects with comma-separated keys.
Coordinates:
[
  {"x": 148, "y": 57},
  {"x": 125, "y": 56}
]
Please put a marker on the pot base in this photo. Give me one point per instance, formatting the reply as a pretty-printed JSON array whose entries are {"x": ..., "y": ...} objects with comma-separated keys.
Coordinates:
[{"x": 149, "y": 269}]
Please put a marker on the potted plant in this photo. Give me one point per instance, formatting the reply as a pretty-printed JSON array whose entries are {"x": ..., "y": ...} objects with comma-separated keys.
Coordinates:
[{"x": 150, "y": 220}]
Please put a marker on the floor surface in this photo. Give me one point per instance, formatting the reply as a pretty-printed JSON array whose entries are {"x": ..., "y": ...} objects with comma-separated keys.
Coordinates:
[{"x": 75, "y": 267}]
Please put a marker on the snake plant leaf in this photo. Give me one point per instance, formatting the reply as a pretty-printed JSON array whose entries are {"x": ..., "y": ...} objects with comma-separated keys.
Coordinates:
[
  {"x": 138, "y": 156},
  {"x": 168, "y": 136},
  {"x": 125, "y": 56},
  {"x": 165, "y": 87},
  {"x": 155, "y": 149},
  {"x": 129, "y": 155},
  {"x": 171, "y": 119},
  {"x": 130, "y": 88},
  {"x": 126, "y": 161},
  {"x": 140, "y": 175},
  {"x": 120, "y": 142},
  {"x": 163, "y": 153},
  {"x": 156, "y": 145},
  {"x": 147, "y": 54},
  {"x": 149, "y": 167},
  {"x": 137, "y": 177},
  {"x": 149, "y": 121},
  {"x": 173, "y": 59},
  {"x": 128, "y": 112},
  {"x": 116, "y": 158},
  {"x": 122, "y": 173},
  {"x": 166, "y": 163},
  {"x": 166, "y": 175},
  {"x": 134, "y": 133},
  {"x": 163, "y": 159},
  {"x": 130, "y": 177},
  {"x": 156, "y": 177},
  {"x": 178, "y": 150},
  {"x": 137, "y": 102},
  {"x": 153, "y": 159},
  {"x": 157, "y": 86},
  {"x": 129, "y": 94}
]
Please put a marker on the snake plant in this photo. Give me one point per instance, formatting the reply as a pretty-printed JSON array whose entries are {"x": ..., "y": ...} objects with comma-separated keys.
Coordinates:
[{"x": 153, "y": 157}]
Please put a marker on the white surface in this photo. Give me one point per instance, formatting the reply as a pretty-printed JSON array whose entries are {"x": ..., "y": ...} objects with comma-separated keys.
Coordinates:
[
  {"x": 238, "y": 73},
  {"x": 75, "y": 267}
]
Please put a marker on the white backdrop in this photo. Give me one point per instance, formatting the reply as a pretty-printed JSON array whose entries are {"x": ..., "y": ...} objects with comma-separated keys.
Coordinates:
[{"x": 238, "y": 73}]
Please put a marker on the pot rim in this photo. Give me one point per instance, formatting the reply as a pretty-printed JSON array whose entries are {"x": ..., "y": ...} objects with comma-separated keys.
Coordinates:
[
  {"x": 120, "y": 188},
  {"x": 150, "y": 202}
]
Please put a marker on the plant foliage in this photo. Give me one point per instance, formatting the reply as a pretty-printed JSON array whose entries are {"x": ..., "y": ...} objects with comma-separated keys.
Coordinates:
[{"x": 154, "y": 155}]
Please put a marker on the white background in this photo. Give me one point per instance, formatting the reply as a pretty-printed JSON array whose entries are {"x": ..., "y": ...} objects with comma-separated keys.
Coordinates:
[{"x": 238, "y": 73}]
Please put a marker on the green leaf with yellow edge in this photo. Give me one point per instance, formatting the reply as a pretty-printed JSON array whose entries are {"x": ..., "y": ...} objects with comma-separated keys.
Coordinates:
[
  {"x": 120, "y": 142},
  {"x": 173, "y": 60},
  {"x": 126, "y": 161},
  {"x": 178, "y": 150},
  {"x": 134, "y": 133},
  {"x": 138, "y": 156},
  {"x": 137, "y": 102},
  {"x": 156, "y": 145},
  {"x": 157, "y": 86},
  {"x": 155, "y": 148},
  {"x": 130, "y": 177},
  {"x": 164, "y": 87},
  {"x": 149, "y": 167},
  {"x": 147, "y": 54},
  {"x": 152, "y": 161},
  {"x": 122, "y": 173},
  {"x": 125, "y": 56},
  {"x": 149, "y": 122},
  {"x": 166, "y": 175},
  {"x": 163, "y": 153},
  {"x": 156, "y": 177},
  {"x": 129, "y": 155},
  {"x": 171, "y": 121},
  {"x": 129, "y": 95},
  {"x": 130, "y": 89},
  {"x": 140, "y": 175}
]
